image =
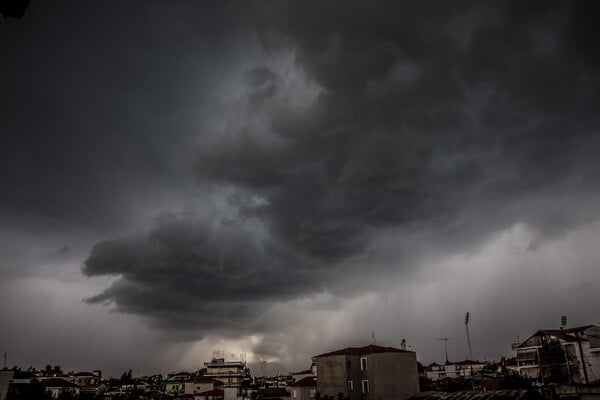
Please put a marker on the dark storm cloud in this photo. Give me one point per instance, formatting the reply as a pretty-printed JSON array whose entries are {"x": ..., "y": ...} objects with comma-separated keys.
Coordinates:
[
  {"x": 447, "y": 123},
  {"x": 100, "y": 102},
  {"x": 411, "y": 127},
  {"x": 193, "y": 273}
]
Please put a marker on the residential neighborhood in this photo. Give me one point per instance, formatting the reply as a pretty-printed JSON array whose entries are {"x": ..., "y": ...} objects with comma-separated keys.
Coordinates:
[{"x": 550, "y": 364}]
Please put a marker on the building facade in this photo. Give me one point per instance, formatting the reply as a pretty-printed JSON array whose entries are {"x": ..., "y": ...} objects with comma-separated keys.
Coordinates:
[
  {"x": 461, "y": 369},
  {"x": 367, "y": 373},
  {"x": 561, "y": 355},
  {"x": 305, "y": 388}
]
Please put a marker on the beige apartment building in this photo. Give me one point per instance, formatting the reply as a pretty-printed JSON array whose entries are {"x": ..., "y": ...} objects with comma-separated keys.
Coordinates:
[
  {"x": 231, "y": 373},
  {"x": 368, "y": 373}
]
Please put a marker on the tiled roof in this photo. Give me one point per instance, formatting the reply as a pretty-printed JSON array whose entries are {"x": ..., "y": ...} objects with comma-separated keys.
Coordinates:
[
  {"x": 273, "y": 392},
  {"x": 480, "y": 395},
  {"x": 83, "y": 374},
  {"x": 469, "y": 362},
  {"x": 359, "y": 351},
  {"x": 179, "y": 373},
  {"x": 306, "y": 371},
  {"x": 90, "y": 387},
  {"x": 57, "y": 382},
  {"x": 578, "y": 329},
  {"x": 568, "y": 335},
  {"x": 213, "y": 393},
  {"x": 304, "y": 382},
  {"x": 206, "y": 379}
]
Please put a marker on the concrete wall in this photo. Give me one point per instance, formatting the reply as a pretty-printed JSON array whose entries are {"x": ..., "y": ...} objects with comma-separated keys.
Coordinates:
[
  {"x": 332, "y": 375},
  {"x": 5, "y": 377},
  {"x": 302, "y": 392},
  {"x": 391, "y": 376}
]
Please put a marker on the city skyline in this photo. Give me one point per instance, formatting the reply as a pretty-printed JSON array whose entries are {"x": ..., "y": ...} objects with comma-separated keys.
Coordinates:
[{"x": 280, "y": 178}]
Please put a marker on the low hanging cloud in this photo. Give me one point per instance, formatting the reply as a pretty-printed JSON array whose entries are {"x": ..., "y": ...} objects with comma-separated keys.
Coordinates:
[
  {"x": 192, "y": 273},
  {"x": 437, "y": 124}
]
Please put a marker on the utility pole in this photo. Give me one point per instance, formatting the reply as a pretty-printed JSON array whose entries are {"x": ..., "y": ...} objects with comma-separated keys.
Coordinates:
[{"x": 445, "y": 339}]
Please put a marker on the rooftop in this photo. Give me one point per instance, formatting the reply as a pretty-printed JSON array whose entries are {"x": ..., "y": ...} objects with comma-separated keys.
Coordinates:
[
  {"x": 306, "y": 382},
  {"x": 480, "y": 395},
  {"x": 364, "y": 350},
  {"x": 57, "y": 382}
]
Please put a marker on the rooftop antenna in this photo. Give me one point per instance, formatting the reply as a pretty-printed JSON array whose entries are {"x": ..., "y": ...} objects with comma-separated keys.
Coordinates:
[
  {"x": 445, "y": 339},
  {"x": 374, "y": 340},
  {"x": 563, "y": 321},
  {"x": 4, "y": 360},
  {"x": 468, "y": 336}
]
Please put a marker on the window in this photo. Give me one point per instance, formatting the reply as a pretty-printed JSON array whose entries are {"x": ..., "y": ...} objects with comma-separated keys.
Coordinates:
[
  {"x": 350, "y": 385},
  {"x": 312, "y": 393},
  {"x": 365, "y": 386},
  {"x": 295, "y": 393},
  {"x": 363, "y": 364}
]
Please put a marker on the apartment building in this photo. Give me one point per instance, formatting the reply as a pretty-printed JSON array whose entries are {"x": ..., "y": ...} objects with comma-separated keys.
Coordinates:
[
  {"x": 367, "y": 373},
  {"x": 561, "y": 355}
]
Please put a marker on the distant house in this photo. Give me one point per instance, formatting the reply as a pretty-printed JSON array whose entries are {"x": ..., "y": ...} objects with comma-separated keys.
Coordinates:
[
  {"x": 367, "y": 373},
  {"x": 461, "y": 369},
  {"x": 59, "y": 386},
  {"x": 296, "y": 376},
  {"x": 561, "y": 355},
  {"x": 86, "y": 378},
  {"x": 201, "y": 384},
  {"x": 304, "y": 389},
  {"x": 174, "y": 385}
]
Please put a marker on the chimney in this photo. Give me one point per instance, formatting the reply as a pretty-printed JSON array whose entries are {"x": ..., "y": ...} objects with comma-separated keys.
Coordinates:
[{"x": 403, "y": 344}]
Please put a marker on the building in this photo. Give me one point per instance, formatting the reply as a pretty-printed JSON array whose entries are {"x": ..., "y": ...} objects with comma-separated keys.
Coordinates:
[
  {"x": 86, "y": 378},
  {"x": 561, "y": 355},
  {"x": 59, "y": 386},
  {"x": 462, "y": 369},
  {"x": 305, "y": 388},
  {"x": 312, "y": 371},
  {"x": 367, "y": 373},
  {"x": 6, "y": 376},
  {"x": 231, "y": 373},
  {"x": 174, "y": 385},
  {"x": 202, "y": 384}
]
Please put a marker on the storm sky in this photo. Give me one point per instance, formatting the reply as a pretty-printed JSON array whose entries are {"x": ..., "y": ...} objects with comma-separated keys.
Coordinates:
[{"x": 279, "y": 179}]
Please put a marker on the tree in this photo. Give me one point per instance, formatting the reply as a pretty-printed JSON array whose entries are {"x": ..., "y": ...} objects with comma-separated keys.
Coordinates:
[
  {"x": 127, "y": 377},
  {"x": 27, "y": 391},
  {"x": 553, "y": 363}
]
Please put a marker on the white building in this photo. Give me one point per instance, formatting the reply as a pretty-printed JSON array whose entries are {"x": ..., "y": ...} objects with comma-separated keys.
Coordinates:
[
  {"x": 58, "y": 386},
  {"x": 461, "y": 369},
  {"x": 231, "y": 373},
  {"x": 561, "y": 355}
]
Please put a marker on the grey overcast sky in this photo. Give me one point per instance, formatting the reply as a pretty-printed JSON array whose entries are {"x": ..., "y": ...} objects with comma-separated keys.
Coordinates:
[{"x": 282, "y": 178}]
